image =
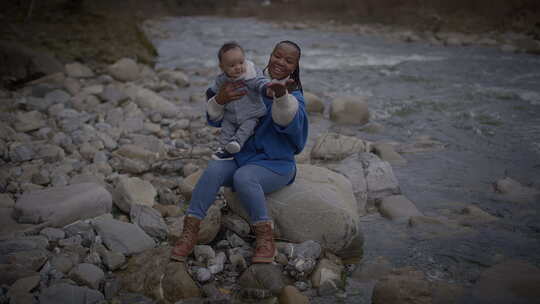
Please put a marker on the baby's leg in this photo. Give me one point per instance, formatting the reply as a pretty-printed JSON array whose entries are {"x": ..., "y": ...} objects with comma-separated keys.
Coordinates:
[
  {"x": 228, "y": 130},
  {"x": 245, "y": 130}
]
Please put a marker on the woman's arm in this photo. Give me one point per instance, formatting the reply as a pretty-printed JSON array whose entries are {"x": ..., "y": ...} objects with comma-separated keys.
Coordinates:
[
  {"x": 285, "y": 105},
  {"x": 284, "y": 109},
  {"x": 228, "y": 92}
]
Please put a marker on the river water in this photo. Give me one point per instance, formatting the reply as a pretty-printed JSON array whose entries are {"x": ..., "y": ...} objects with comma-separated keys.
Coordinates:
[{"x": 481, "y": 103}]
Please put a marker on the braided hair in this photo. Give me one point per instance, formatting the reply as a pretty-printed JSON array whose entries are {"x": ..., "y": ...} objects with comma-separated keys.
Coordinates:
[{"x": 295, "y": 75}]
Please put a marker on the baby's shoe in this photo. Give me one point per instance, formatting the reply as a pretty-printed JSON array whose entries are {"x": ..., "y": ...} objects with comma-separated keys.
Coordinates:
[
  {"x": 233, "y": 147},
  {"x": 222, "y": 154}
]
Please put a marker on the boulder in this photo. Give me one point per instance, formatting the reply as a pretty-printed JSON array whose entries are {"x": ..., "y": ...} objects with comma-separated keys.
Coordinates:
[
  {"x": 78, "y": 70},
  {"x": 349, "y": 110},
  {"x": 125, "y": 69},
  {"x": 512, "y": 281},
  {"x": 87, "y": 274},
  {"x": 177, "y": 77},
  {"x": 333, "y": 146},
  {"x": 133, "y": 191},
  {"x": 314, "y": 104},
  {"x": 150, "y": 220},
  {"x": 122, "y": 237},
  {"x": 153, "y": 274},
  {"x": 62, "y": 205},
  {"x": 20, "y": 62},
  {"x": 515, "y": 192},
  {"x": 319, "y": 206},
  {"x": 380, "y": 178},
  {"x": 398, "y": 207}
]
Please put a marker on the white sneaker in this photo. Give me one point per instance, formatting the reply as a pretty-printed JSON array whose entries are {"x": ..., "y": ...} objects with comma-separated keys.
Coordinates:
[{"x": 233, "y": 147}]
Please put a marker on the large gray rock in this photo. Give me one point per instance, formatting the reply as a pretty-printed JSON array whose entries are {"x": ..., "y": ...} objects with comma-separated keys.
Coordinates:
[
  {"x": 319, "y": 206},
  {"x": 29, "y": 121},
  {"x": 150, "y": 220},
  {"x": 122, "y": 237},
  {"x": 59, "y": 206},
  {"x": 87, "y": 274},
  {"x": 380, "y": 178},
  {"x": 133, "y": 191},
  {"x": 314, "y": 103},
  {"x": 398, "y": 207},
  {"x": 78, "y": 70}
]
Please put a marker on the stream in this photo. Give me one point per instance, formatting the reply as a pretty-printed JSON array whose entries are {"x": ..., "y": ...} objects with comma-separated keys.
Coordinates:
[{"x": 482, "y": 103}]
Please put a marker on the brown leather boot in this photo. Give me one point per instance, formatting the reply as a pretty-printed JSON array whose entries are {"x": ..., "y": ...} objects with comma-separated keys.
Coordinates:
[
  {"x": 265, "y": 249},
  {"x": 188, "y": 239}
]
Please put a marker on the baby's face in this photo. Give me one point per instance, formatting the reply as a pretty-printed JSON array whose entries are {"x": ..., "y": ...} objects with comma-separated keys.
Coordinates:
[{"x": 233, "y": 63}]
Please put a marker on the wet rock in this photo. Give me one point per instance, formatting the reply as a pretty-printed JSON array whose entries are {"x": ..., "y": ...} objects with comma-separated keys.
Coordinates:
[
  {"x": 62, "y": 205},
  {"x": 333, "y": 146},
  {"x": 325, "y": 212},
  {"x": 398, "y": 207},
  {"x": 512, "y": 281},
  {"x": 349, "y": 110},
  {"x": 87, "y": 274},
  {"x": 516, "y": 192},
  {"x": 388, "y": 153},
  {"x": 402, "y": 286},
  {"x": 69, "y": 294},
  {"x": 473, "y": 215},
  {"x": 380, "y": 178},
  {"x": 314, "y": 103},
  {"x": 122, "y": 237},
  {"x": 421, "y": 144},
  {"x": 372, "y": 270}
]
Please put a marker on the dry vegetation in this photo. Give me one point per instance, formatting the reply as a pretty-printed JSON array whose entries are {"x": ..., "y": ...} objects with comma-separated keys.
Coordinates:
[
  {"x": 100, "y": 32},
  {"x": 456, "y": 15}
]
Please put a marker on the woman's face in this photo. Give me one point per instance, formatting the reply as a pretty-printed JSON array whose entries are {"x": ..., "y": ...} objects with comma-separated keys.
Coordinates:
[{"x": 283, "y": 61}]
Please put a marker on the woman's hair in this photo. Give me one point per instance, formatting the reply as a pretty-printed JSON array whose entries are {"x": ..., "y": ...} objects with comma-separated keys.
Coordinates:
[
  {"x": 296, "y": 73},
  {"x": 227, "y": 46}
]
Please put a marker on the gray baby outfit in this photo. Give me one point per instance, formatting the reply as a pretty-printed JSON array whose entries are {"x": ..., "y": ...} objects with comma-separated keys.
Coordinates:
[{"x": 240, "y": 117}]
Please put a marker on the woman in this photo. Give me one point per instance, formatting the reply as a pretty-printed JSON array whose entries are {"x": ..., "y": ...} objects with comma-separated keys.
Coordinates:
[{"x": 265, "y": 163}]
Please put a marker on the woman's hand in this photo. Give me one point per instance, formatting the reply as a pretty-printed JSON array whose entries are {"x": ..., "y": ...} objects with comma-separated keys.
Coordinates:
[
  {"x": 278, "y": 88},
  {"x": 229, "y": 91}
]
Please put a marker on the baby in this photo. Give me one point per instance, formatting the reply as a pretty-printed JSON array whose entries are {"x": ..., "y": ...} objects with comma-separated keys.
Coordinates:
[{"x": 242, "y": 115}]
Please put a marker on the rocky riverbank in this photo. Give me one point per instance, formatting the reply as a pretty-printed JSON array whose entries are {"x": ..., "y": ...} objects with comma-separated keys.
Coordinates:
[{"x": 97, "y": 169}]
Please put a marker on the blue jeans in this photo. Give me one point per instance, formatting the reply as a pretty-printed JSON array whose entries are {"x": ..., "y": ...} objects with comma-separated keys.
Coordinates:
[{"x": 251, "y": 183}]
